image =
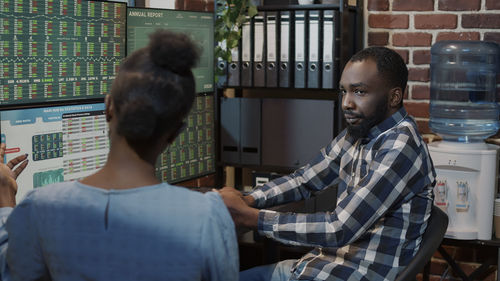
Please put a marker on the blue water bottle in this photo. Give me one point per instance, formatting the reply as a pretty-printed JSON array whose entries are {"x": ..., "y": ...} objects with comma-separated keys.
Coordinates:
[{"x": 463, "y": 105}]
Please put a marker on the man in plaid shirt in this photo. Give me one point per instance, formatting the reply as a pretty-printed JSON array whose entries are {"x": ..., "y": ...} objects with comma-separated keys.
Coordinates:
[{"x": 385, "y": 179}]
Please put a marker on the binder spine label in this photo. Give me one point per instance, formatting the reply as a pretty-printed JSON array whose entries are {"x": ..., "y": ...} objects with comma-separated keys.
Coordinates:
[
  {"x": 285, "y": 37},
  {"x": 328, "y": 40},
  {"x": 259, "y": 38},
  {"x": 313, "y": 38},
  {"x": 271, "y": 39},
  {"x": 234, "y": 51},
  {"x": 299, "y": 37},
  {"x": 246, "y": 48}
]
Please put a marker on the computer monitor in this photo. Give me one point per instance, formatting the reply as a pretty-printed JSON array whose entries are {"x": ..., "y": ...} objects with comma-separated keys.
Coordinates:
[
  {"x": 199, "y": 25},
  {"x": 59, "y": 50},
  {"x": 192, "y": 154},
  {"x": 62, "y": 142}
]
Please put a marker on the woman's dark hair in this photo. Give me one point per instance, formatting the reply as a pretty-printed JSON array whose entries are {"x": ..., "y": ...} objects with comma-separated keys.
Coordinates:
[
  {"x": 390, "y": 65},
  {"x": 155, "y": 88}
]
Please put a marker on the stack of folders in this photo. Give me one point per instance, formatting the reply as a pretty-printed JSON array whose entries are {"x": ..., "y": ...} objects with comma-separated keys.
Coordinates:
[{"x": 287, "y": 49}]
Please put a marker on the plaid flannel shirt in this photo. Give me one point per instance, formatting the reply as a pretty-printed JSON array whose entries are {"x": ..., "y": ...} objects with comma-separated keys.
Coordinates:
[{"x": 385, "y": 184}]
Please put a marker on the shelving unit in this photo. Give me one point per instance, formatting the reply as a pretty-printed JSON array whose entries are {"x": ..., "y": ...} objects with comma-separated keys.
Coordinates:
[{"x": 348, "y": 41}]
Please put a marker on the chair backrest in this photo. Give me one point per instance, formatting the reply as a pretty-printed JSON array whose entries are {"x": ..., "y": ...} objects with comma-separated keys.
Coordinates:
[{"x": 433, "y": 235}]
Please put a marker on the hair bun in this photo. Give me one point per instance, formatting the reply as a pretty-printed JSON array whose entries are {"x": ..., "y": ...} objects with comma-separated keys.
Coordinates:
[{"x": 174, "y": 51}]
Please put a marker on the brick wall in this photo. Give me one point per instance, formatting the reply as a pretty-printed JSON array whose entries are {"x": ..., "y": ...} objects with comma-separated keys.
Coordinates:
[{"x": 412, "y": 26}]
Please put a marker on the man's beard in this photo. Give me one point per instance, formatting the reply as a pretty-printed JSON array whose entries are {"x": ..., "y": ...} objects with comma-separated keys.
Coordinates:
[{"x": 361, "y": 130}]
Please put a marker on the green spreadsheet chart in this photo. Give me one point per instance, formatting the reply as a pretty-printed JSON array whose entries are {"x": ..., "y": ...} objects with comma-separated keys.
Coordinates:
[
  {"x": 59, "y": 50},
  {"x": 47, "y": 146},
  {"x": 198, "y": 25},
  {"x": 192, "y": 153},
  {"x": 63, "y": 143}
]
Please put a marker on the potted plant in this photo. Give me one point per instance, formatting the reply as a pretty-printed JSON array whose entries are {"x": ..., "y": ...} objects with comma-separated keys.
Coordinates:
[{"x": 230, "y": 16}]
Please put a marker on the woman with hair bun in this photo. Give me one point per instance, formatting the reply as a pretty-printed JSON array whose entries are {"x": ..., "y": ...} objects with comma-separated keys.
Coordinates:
[{"x": 121, "y": 223}]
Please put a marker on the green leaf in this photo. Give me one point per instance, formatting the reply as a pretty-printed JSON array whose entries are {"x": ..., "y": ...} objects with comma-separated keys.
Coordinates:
[
  {"x": 240, "y": 20},
  {"x": 252, "y": 11},
  {"x": 233, "y": 36}
]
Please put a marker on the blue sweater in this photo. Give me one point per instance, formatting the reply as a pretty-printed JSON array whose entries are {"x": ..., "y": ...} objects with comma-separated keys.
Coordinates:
[{"x": 71, "y": 231}]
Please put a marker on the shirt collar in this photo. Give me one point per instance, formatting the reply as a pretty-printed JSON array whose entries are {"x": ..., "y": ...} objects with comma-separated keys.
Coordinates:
[{"x": 388, "y": 123}]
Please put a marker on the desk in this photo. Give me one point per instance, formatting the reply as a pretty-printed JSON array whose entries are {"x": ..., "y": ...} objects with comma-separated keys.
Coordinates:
[{"x": 470, "y": 244}]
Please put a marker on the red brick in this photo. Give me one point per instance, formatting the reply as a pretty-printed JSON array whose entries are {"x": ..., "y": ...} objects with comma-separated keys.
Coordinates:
[
  {"x": 448, "y": 21},
  {"x": 465, "y": 254},
  {"x": 403, "y": 53},
  {"x": 194, "y": 5},
  {"x": 413, "y": 5},
  {"x": 422, "y": 57},
  {"x": 388, "y": 21},
  {"x": 449, "y": 249},
  {"x": 420, "y": 92},
  {"x": 423, "y": 127},
  {"x": 438, "y": 278},
  {"x": 459, "y": 5},
  {"x": 418, "y": 74},
  {"x": 438, "y": 267},
  {"x": 378, "y": 38},
  {"x": 481, "y": 21},
  {"x": 463, "y": 36},
  {"x": 492, "y": 36},
  {"x": 492, "y": 4},
  {"x": 205, "y": 181},
  {"x": 411, "y": 39},
  {"x": 468, "y": 268},
  {"x": 417, "y": 109},
  {"x": 378, "y": 5},
  {"x": 210, "y": 6}
]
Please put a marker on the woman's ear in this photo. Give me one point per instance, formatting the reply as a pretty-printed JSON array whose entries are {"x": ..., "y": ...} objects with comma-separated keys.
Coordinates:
[
  {"x": 395, "y": 98},
  {"x": 108, "y": 102}
]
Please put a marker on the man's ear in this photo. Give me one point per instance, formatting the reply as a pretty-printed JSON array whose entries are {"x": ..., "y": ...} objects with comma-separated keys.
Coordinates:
[
  {"x": 395, "y": 97},
  {"x": 108, "y": 102}
]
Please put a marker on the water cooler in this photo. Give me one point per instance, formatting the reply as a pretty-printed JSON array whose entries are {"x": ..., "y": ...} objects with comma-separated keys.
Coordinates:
[{"x": 464, "y": 111}]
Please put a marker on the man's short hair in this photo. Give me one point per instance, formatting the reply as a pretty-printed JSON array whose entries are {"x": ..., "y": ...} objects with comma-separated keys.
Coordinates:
[{"x": 390, "y": 65}]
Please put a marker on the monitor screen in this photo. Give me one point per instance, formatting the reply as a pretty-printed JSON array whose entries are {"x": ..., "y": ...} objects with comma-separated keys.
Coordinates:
[
  {"x": 62, "y": 142},
  {"x": 192, "y": 154},
  {"x": 59, "y": 50},
  {"x": 199, "y": 25}
]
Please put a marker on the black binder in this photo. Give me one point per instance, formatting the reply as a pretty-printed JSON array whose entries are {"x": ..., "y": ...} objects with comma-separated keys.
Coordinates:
[
  {"x": 259, "y": 70},
  {"x": 300, "y": 50},
  {"x": 222, "y": 68},
  {"x": 271, "y": 50},
  {"x": 230, "y": 130},
  {"x": 250, "y": 122},
  {"x": 313, "y": 67},
  {"x": 246, "y": 54},
  {"x": 329, "y": 65},
  {"x": 233, "y": 69},
  {"x": 285, "y": 66}
]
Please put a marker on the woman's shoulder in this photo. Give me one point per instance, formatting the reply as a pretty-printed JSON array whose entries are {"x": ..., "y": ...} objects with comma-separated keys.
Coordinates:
[
  {"x": 204, "y": 200},
  {"x": 50, "y": 191}
]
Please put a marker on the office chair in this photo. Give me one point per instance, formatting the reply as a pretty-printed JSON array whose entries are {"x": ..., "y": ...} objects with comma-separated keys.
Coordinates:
[{"x": 433, "y": 235}]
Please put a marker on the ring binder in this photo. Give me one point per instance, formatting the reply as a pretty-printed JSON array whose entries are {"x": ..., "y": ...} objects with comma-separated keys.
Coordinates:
[{"x": 284, "y": 66}]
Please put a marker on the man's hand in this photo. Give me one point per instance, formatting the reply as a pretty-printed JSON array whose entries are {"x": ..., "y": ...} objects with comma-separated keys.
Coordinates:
[
  {"x": 249, "y": 200},
  {"x": 241, "y": 212},
  {"x": 8, "y": 175}
]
